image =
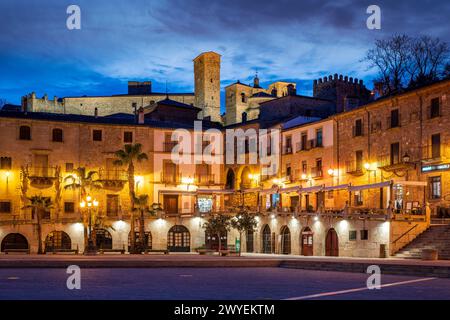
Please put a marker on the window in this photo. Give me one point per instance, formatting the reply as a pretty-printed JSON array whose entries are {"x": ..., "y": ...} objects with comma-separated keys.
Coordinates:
[
  {"x": 97, "y": 135},
  {"x": 288, "y": 170},
  {"x": 5, "y": 206},
  {"x": 128, "y": 137},
  {"x": 288, "y": 145},
  {"x": 304, "y": 141},
  {"x": 57, "y": 135},
  {"x": 364, "y": 234},
  {"x": 304, "y": 167},
  {"x": 358, "y": 128},
  {"x": 112, "y": 205},
  {"x": 359, "y": 160},
  {"x": 435, "y": 187},
  {"x": 69, "y": 207},
  {"x": 395, "y": 118},
  {"x": 319, "y": 138},
  {"x": 358, "y": 197},
  {"x": 352, "y": 235},
  {"x": 436, "y": 145},
  {"x": 243, "y": 98},
  {"x": 5, "y": 163},
  {"x": 205, "y": 204},
  {"x": 434, "y": 108},
  {"x": 169, "y": 172},
  {"x": 25, "y": 133},
  {"x": 69, "y": 167},
  {"x": 395, "y": 153}
]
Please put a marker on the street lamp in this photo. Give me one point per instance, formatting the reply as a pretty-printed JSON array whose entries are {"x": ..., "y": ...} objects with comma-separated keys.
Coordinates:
[{"x": 89, "y": 203}]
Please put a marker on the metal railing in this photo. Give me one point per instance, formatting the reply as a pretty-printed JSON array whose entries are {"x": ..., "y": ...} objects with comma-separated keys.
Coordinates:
[
  {"x": 354, "y": 167},
  {"x": 43, "y": 172},
  {"x": 316, "y": 172},
  {"x": 204, "y": 179},
  {"x": 112, "y": 175}
]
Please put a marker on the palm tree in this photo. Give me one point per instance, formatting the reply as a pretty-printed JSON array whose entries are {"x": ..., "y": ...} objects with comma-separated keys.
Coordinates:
[
  {"x": 84, "y": 181},
  {"x": 141, "y": 205},
  {"x": 217, "y": 225},
  {"x": 243, "y": 222},
  {"x": 130, "y": 154},
  {"x": 39, "y": 205}
]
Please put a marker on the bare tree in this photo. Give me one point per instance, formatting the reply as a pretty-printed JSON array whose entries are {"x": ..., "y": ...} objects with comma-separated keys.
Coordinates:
[
  {"x": 391, "y": 57},
  {"x": 428, "y": 59},
  {"x": 404, "y": 61}
]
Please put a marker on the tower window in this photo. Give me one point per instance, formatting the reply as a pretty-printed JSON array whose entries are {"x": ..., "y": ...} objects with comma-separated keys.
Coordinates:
[
  {"x": 57, "y": 135},
  {"x": 243, "y": 98},
  {"x": 25, "y": 133},
  {"x": 97, "y": 135},
  {"x": 128, "y": 137}
]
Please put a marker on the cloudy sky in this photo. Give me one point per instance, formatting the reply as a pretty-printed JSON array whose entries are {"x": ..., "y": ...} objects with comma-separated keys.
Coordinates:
[{"x": 295, "y": 40}]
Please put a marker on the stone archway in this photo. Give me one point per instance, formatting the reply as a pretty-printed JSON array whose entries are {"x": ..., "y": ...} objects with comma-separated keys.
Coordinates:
[
  {"x": 14, "y": 241},
  {"x": 332, "y": 243},
  {"x": 231, "y": 180},
  {"x": 266, "y": 240},
  {"x": 285, "y": 240}
]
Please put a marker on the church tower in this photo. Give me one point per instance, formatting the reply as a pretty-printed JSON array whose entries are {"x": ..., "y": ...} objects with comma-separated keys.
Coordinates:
[{"x": 207, "y": 84}]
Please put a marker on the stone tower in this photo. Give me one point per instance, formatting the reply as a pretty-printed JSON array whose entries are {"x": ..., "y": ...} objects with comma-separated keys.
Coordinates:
[{"x": 207, "y": 84}]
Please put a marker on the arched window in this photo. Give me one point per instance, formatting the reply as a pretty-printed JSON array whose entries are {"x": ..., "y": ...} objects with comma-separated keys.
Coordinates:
[
  {"x": 25, "y": 133},
  {"x": 14, "y": 241},
  {"x": 57, "y": 135},
  {"x": 285, "y": 240},
  {"x": 103, "y": 239},
  {"x": 179, "y": 239},
  {"x": 266, "y": 240},
  {"x": 57, "y": 240}
]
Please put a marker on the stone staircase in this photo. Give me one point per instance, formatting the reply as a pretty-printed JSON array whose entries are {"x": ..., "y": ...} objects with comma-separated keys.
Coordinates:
[{"x": 437, "y": 236}]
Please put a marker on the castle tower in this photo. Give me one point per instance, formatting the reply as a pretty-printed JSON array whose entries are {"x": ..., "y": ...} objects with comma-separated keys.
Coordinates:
[{"x": 207, "y": 84}]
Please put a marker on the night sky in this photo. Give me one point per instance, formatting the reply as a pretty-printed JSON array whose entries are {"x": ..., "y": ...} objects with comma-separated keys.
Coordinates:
[{"x": 293, "y": 40}]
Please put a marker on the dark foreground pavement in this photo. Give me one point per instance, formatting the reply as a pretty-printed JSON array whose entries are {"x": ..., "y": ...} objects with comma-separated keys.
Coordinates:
[{"x": 213, "y": 283}]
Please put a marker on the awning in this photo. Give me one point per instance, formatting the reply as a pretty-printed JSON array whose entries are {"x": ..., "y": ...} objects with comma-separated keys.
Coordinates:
[
  {"x": 339, "y": 187},
  {"x": 216, "y": 191},
  {"x": 290, "y": 189},
  {"x": 177, "y": 192},
  {"x": 311, "y": 189},
  {"x": 370, "y": 186},
  {"x": 249, "y": 190},
  {"x": 267, "y": 191},
  {"x": 411, "y": 183}
]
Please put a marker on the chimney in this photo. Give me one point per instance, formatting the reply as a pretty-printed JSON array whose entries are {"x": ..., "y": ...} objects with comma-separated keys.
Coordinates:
[{"x": 141, "y": 118}]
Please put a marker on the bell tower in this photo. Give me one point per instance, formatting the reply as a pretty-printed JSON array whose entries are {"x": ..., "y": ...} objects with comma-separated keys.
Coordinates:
[{"x": 207, "y": 85}]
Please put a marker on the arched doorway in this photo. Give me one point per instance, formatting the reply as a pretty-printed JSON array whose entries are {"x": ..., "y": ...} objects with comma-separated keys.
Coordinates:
[
  {"x": 147, "y": 239},
  {"x": 307, "y": 242},
  {"x": 230, "y": 180},
  {"x": 57, "y": 240},
  {"x": 266, "y": 240},
  {"x": 179, "y": 239},
  {"x": 14, "y": 241},
  {"x": 246, "y": 182},
  {"x": 212, "y": 241},
  {"x": 103, "y": 239},
  {"x": 285, "y": 240},
  {"x": 249, "y": 242},
  {"x": 332, "y": 243}
]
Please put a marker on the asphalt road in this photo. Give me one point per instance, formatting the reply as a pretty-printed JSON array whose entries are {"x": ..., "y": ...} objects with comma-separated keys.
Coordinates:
[{"x": 214, "y": 283}]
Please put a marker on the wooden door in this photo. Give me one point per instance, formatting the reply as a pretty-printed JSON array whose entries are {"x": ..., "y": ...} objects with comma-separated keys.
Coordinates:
[
  {"x": 332, "y": 243},
  {"x": 171, "y": 204},
  {"x": 307, "y": 242}
]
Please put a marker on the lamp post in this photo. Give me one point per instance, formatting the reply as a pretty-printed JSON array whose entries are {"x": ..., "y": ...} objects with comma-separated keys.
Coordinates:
[{"x": 90, "y": 203}]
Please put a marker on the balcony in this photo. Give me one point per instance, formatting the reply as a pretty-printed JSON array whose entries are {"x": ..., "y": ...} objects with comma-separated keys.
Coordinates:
[
  {"x": 434, "y": 154},
  {"x": 300, "y": 176},
  {"x": 309, "y": 144},
  {"x": 354, "y": 168},
  {"x": 204, "y": 179},
  {"x": 316, "y": 173},
  {"x": 113, "y": 179},
  {"x": 387, "y": 163},
  {"x": 42, "y": 177},
  {"x": 170, "y": 178},
  {"x": 168, "y": 146}
]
